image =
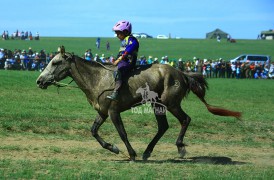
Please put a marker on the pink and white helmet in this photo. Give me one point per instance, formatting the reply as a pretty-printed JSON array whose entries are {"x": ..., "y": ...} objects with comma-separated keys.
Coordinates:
[{"x": 122, "y": 26}]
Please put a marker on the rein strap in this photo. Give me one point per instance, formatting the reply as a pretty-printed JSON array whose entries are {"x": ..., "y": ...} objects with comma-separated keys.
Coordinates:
[{"x": 59, "y": 84}]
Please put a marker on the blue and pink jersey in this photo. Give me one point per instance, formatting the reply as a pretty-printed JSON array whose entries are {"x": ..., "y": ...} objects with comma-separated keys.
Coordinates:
[{"x": 128, "y": 51}]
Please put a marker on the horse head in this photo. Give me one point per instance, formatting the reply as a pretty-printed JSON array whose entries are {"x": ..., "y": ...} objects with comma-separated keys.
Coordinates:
[{"x": 57, "y": 69}]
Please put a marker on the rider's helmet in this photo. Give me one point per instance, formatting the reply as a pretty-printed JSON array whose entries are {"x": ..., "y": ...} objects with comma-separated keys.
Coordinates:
[{"x": 122, "y": 26}]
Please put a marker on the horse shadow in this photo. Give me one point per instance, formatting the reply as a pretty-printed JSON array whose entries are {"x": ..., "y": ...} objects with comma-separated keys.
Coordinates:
[{"x": 219, "y": 160}]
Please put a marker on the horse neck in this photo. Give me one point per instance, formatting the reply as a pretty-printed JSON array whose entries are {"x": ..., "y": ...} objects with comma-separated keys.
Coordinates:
[
  {"x": 82, "y": 72},
  {"x": 90, "y": 78}
]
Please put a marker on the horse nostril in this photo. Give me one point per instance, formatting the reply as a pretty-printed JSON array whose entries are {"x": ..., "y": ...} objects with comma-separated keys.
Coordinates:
[{"x": 38, "y": 82}]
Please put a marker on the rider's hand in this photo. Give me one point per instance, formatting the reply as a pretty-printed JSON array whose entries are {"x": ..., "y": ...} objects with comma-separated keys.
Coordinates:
[{"x": 117, "y": 60}]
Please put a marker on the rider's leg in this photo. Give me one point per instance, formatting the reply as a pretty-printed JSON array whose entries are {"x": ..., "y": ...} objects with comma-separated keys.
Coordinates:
[{"x": 118, "y": 84}]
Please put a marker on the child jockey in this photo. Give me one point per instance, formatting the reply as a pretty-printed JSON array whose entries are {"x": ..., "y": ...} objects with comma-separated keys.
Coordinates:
[{"x": 127, "y": 55}]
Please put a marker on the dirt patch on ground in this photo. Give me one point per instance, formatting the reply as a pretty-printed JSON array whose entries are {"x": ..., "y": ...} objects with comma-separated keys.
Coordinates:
[{"x": 35, "y": 148}]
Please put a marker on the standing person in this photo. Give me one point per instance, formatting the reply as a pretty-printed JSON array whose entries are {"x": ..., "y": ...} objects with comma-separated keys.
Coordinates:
[
  {"x": 127, "y": 55},
  {"x": 37, "y": 36},
  {"x": 108, "y": 46},
  {"x": 17, "y": 34},
  {"x": 218, "y": 67},
  {"x": 258, "y": 68},
  {"x": 252, "y": 70},
  {"x": 199, "y": 66},
  {"x": 238, "y": 71},
  {"x": 149, "y": 61},
  {"x": 30, "y": 36},
  {"x": 88, "y": 55},
  {"x": 218, "y": 38},
  {"x": 204, "y": 70},
  {"x": 233, "y": 70},
  {"x": 271, "y": 71},
  {"x": 247, "y": 71},
  {"x": 228, "y": 38},
  {"x": 22, "y": 35},
  {"x": 181, "y": 65},
  {"x": 213, "y": 69},
  {"x": 143, "y": 60},
  {"x": 228, "y": 69},
  {"x": 244, "y": 69},
  {"x": 98, "y": 42},
  {"x": 24, "y": 60},
  {"x": 208, "y": 69},
  {"x": 222, "y": 68}
]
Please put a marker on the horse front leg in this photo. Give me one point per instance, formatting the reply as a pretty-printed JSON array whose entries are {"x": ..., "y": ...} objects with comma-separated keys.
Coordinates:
[
  {"x": 117, "y": 121},
  {"x": 100, "y": 119}
]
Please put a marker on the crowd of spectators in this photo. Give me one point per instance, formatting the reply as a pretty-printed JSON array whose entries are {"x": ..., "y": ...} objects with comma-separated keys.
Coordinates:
[
  {"x": 24, "y": 59},
  {"x": 218, "y": 68},
  {"x": 27, "y": 35}
]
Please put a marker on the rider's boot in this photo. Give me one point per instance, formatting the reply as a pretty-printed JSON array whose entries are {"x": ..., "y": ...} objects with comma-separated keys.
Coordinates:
[{"x": 113, "y": 96}]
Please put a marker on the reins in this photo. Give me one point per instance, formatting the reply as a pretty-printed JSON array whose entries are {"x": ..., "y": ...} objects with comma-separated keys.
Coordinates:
[
  {"x": 59, "y": 84},
  {"x": 104, "y": 66}
]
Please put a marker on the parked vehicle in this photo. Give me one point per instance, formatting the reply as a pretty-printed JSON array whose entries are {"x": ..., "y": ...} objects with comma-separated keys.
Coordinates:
[
  {"x": 137, "y": 35},
  {"x": 144, "y": 35},
  {"x": 162, "y": 37},
  {"x": 141, "y": 35},
  {"x": 256, "y": 58}
]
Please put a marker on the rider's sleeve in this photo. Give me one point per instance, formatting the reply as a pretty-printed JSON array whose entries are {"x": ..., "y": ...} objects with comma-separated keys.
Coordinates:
[{"x": 131, "y": 48}]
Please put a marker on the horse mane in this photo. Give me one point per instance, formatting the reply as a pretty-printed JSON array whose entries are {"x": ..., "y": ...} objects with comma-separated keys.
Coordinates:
[
  {"x": 95, "y": 63},
  {"x": 110, "y": 66}
]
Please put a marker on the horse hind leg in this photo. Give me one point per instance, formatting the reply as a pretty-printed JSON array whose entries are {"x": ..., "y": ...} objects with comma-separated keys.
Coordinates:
[
  {"x": 162, "y": 128},
  {"x": 184, "y": 120}
]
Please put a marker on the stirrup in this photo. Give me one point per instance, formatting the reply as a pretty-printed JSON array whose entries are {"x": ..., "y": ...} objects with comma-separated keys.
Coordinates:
[{"x": 113, "y": 96}]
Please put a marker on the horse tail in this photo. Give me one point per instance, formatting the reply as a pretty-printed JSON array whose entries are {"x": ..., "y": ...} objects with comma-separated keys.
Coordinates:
[{"x": 198, "y": 85}]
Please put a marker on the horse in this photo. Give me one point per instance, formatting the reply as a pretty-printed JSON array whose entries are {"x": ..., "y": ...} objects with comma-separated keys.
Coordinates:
[{"x": 96, "y": 81}]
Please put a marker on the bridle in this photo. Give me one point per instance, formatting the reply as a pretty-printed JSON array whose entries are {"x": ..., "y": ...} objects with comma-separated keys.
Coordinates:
[
  {"x": 59, "y": 84},
  {"x": 68, "y": 85}
]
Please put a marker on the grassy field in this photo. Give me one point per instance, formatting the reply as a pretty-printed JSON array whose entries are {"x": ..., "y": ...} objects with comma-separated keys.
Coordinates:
[
  {"x": 174, "y": 48},
  {"x": 45, "y": 134}
]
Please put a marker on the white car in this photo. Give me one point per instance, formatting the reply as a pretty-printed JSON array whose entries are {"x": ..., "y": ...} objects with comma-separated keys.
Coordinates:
[
  {"x": 144, "y": 35},
  {"x": 141, "y": 35},
  {"x": 162, "y": 37},
  {"x": 137, "y": 35}
]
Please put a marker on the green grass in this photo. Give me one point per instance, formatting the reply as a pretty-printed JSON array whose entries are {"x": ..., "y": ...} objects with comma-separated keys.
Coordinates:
[
  {"x": 62, "y": 169},
  {"x": 30, "y": 113},
  {"x": 174, "y": 48},
  {"x": 45, "y": 134}
]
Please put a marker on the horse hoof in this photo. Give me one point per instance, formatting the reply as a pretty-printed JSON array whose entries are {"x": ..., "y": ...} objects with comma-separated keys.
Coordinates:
[
  {"x": 146, "y": 156},
  {"x": 182, "y": 151},
  {"x": 115, "y": 149}
]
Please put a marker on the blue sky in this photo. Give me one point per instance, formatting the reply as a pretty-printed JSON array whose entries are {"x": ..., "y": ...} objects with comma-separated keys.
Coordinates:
[{"x": 242, "y": 19}]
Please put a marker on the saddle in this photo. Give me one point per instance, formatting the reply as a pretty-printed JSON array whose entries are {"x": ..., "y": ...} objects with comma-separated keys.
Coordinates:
[{"x": 134, "y": 71}]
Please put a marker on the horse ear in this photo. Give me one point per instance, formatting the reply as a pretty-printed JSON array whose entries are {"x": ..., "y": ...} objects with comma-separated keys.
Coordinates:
[{"x": 61, "y": 49}]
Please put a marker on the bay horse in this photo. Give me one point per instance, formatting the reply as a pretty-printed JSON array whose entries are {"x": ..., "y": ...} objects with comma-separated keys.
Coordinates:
[{"x": 96, "y": 81}]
